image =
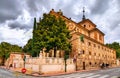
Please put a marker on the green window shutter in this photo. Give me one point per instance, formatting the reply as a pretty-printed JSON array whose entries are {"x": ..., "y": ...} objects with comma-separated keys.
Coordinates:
[{"x": 82, "y": 38}]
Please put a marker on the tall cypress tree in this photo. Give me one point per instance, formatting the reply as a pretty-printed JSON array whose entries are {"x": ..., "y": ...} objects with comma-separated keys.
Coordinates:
[{"x": 34, "y": 53}]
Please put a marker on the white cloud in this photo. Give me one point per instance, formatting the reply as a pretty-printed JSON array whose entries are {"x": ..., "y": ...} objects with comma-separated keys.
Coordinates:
[
  {"x": 14, "y": 36},
  {"x": 17, "y": 29}
]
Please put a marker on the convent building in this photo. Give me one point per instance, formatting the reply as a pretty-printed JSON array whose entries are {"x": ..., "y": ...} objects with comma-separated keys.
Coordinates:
[{"x": 88, "y": 48}]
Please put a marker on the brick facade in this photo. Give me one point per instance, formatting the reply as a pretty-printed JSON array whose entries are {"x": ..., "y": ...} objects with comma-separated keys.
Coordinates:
[{"x": 91, "y": 52}]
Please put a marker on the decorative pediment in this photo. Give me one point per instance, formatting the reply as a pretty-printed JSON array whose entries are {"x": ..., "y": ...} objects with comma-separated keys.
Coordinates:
[
  {"x": 88, "y": 21},
  {"x": 87, "y": 24}
]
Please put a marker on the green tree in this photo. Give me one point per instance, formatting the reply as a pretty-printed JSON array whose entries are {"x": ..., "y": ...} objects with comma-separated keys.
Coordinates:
[
  {"x": 6, "y": 49},
  {"x": 52, "y": 33},
  {"x": 15, "y": 48},
  {"x": 118, "y": 53},
  {"x": 116, "y": 46},
  {"x": 28, "y": 47}
]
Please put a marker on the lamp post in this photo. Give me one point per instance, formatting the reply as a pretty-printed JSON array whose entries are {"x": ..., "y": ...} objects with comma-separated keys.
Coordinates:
[
  {"x": 23, "y": 69},
  {"x": 24, "y": 60}
]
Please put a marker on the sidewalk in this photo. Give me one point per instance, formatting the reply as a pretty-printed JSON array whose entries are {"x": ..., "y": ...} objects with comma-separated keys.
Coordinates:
[
  {"x": 45, "y": 75},
  {"x": 65, "y": 73},
  {"x": 62, "y": 73},
  {"x": 51, "y": 74}
]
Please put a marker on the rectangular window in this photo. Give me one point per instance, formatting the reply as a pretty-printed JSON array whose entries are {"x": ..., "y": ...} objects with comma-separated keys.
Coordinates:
[
  {"x": 102, "y": 48},
  {"x": 83, "y": 52},
  {"x": 89, "y": 44},
  {"x": 94, "y": 45},
  {"x": 99, "y": 54},
  {"x": 98, "y": 47},
  {"x": 89, "y": 53},
  {"x": 95, "y": 36},
  {"x": 100, "y": 37},
  {"x": 94, "y": 54},
  {"x": 105, "y": 49}
]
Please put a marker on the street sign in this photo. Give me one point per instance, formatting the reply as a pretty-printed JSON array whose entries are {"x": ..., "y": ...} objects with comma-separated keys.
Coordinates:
[{"x": 23, "y": 70}]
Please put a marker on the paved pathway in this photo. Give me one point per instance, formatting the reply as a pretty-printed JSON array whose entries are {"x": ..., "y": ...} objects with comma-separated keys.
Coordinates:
[{"x": 105, "y": 73}]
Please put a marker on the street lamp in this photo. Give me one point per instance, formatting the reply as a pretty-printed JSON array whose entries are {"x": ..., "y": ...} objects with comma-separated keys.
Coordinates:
[
  {"x": 23, "y": 69},
  {"x": 24, "y": 60}
]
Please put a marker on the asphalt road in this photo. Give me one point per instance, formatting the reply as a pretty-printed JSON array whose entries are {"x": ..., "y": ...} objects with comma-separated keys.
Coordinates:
[
  {"x": 104, "y": 73},
  {"x": 4, "y": 73}
]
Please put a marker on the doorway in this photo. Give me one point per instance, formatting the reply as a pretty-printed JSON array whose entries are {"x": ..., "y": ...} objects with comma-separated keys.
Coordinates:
[{"x": 83, "y": 65}]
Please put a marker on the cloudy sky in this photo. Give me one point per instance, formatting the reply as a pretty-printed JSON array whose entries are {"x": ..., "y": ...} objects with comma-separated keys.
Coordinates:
[{"x": 16, "y": 16}]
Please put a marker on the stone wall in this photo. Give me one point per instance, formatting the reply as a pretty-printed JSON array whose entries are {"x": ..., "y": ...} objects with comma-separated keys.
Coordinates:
[
  {"x": 49, "y": 65},
  {"x": 118, "y": 62},
  {"x": 16, "y": 60},
  {"x": 1, "y": 61}
]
